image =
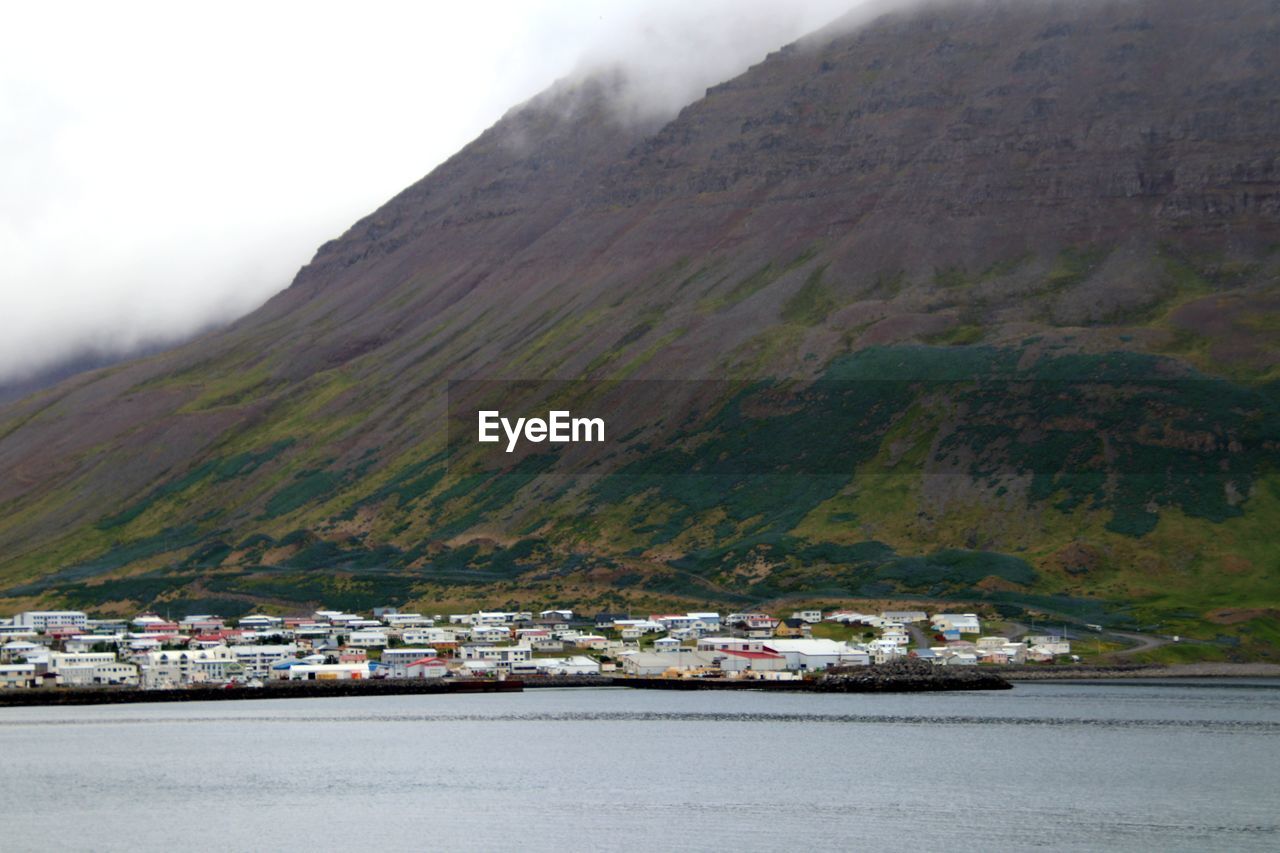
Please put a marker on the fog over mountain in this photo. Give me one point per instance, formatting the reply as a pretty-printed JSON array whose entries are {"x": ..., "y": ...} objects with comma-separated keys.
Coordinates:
[{"x": 166, "y": 169}]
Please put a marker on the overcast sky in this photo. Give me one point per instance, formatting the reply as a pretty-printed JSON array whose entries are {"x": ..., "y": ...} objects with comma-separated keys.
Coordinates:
[{"x": 165, "y": 166}]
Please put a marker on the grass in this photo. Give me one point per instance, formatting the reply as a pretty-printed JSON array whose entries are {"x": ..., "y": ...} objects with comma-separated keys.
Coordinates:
[
  {"x": 964, "y": 334},
  {"x": 811, "y": 304}
]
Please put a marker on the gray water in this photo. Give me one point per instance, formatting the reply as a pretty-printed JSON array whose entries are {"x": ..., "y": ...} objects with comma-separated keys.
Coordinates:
[{"x": 1186, "y": 766}]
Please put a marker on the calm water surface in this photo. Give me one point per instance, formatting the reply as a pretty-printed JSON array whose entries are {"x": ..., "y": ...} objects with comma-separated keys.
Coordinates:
[{"x": 1185, "y": 766}]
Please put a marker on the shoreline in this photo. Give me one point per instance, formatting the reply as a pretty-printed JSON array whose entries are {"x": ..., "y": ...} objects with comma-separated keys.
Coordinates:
[
  {"x": 859, "y": 682},
  {"x": 1086, "y": 672}
]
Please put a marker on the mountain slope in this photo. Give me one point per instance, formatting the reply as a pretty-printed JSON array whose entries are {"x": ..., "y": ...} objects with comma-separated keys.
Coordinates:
[{"x": 1060, "y": 186}]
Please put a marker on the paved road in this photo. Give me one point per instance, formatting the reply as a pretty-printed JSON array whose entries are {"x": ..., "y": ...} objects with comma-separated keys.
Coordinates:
[
  {"x": 1142, "y": 642},
  {"x": 919, "y": 638}
]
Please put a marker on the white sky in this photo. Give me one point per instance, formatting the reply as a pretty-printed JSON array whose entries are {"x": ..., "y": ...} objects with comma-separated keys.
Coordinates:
[{"x": 165, "y": 166}]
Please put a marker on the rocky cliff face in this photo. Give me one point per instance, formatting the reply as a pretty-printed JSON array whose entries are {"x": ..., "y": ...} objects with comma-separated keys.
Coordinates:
[{"x": 1024, "y": 179}]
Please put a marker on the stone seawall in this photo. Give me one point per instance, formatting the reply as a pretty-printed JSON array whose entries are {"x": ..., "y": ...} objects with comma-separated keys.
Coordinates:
[{"x": 903, "y": 677}]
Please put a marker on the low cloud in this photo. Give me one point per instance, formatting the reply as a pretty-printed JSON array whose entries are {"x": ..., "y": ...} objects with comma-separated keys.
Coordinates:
[{"x": 167, "y": 167}]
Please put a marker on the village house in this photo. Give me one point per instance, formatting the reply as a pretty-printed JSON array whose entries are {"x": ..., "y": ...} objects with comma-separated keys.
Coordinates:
[
  {"x": 260, "y": 622},
  {"x": 501, "y": 657},
  {"x": 183, "y": 667},
  {"x": 117, "y": 673},
  {"x": 812, "y": 655},
  {"x": 19, "y": 651},
  {"x": 17, "y": 675},
  {"x": 547, "y": 644},
  {"x": 367, "y": 639},
  {"x": 203, "y": 624},
  {"x": 408, "y": 620},
  {"x": 905, "y": 617},
  {"x": 793, "y": 628},
  {"x": 752, "y": 625},
  {"x": 92, "y": 642},
  {"x": 706, "y": 622},
  {"x": 328, "y": 671},
  {"x": 44, "y": 620},
  {"x": 666, "y": 644},
  {"x": 258, "y": 660},
  {"x": 77, "y": 669},
  {"x": 429, "y": 636},
  {"x": 962, "y": 623},
  {"x": 490, "y": 634},
  {"x": 605, "y": 619},
  {"x": 1049, "y": 644},
  {"x": 573, "y": 665},
  {"x": 397, "y": 661},
  {"x": 427, "y": 667}
]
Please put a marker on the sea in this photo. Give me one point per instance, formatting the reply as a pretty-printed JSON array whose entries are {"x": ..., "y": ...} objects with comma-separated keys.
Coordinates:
[{"x": 1106, "y": 765}]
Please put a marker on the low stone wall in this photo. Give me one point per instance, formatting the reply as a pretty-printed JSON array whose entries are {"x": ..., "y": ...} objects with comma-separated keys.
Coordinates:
[{"x": 909, "y": 676}]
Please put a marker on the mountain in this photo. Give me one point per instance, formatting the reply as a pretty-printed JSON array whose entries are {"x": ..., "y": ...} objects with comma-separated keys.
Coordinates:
[{"x": 1015, "y": 265}]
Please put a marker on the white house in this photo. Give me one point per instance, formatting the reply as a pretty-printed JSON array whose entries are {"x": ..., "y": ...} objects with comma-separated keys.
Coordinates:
[
  {"x": 43, "y": 620},
  {"x": 260, "y": 622},
  {"x": 59, "y": 661},
  {"x": 427, "y": 667},
  {"x": 882, "y": 651},
  {"x": 367, "y": 639},
  {"x": 116, "y": 672},
  {"x": 21, "y": 650},
  {"x": 564, "y": 615},
  {"x": 258, "y": 660},
  {"x": 810, "y": 655},
  {"x": 490, "y": 634},
  {"x": 408, "y": 620},
  {"x": 964, "y": 623},
  {"x": 503, "y": 658},
  {"x": 17, "y": 675},
  {"x": 739, "y": 644},
  {"x": 573, "y": 665},
  {"x": 1051, "y": 646},
  {"x": 428, "y": 636},
  {"x": 906, "y": 617},
  {"x": 169, "y": 668},
  {"x": 813, "y": 617},
  {"x": 706, "y": 621},
  {"x": 329, "y": 671},
  {"x": 897, "y": 636},
  {"x": 87, "y": 642},
  {"x": 397, "y": 660}
]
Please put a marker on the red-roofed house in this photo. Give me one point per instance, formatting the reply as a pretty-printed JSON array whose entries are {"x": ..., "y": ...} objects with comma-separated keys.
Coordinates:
[{"x": 427, "y": 668}]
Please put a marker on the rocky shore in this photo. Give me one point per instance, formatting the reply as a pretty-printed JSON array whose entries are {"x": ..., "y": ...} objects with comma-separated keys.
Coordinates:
[{"x": 908, "y": 676}]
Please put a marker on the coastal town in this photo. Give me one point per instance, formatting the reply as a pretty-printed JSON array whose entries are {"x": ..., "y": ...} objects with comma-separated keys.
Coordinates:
[{"x": 70, "y": 649}]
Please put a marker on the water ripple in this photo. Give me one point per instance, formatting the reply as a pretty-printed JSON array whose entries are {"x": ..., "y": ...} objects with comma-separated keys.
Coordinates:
[{"x": 1253, "y": 726}]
